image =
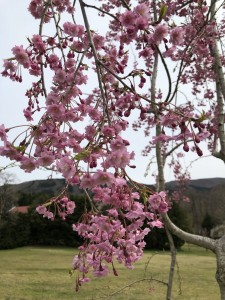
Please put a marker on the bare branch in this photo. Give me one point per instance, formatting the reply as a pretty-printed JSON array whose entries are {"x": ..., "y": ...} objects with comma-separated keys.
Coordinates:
[
  {"x": 132, "y": 283},
  {"x": 194, "y": 239}
]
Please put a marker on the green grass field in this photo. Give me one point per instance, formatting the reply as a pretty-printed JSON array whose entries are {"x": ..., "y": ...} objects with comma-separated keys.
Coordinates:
[{"x": 42, "y": 273}]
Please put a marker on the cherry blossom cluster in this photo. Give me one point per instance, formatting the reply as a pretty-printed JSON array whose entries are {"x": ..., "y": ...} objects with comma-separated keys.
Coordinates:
[
  {"x": 98, "y": 85},
  {"x": 118, "y": 234},
  {"x": 62, "y": 206}
]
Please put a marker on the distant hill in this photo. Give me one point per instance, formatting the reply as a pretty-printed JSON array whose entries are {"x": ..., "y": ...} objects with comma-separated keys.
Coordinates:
[
  {"x": 207, "y": 197},
  {"x": 206, "y": 183},
  {"x": 48, "y": 186},
  {"x": 207, "y": 202}
]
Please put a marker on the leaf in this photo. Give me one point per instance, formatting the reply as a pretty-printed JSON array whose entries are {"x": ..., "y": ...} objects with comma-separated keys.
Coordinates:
[
  {"x": 162, "y": 12},
  {"x": 144, "y": 195},
  {"x": 202, "y": 117},
  {"x": 21, "y": 148},
  {"x": 82, "y": 155}
]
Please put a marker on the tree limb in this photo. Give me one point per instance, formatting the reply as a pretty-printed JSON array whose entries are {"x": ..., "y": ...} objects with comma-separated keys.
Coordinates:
[{"x": 194, "y": 239}]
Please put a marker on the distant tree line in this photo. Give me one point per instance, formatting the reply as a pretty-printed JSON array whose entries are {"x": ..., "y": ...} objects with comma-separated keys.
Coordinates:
[{"x": 20, "y": 229}]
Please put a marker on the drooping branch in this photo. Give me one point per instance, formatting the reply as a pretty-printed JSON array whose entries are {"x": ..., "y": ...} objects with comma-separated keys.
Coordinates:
[
  {"x": 194, "y": 239},
  {"x": 102, "y": 11},
  {"x": 105, "y": 106},
  {"x": 167, "y": 74},
  {"x": 40, "y": 33},
  {"x": 58, "y": 32}
]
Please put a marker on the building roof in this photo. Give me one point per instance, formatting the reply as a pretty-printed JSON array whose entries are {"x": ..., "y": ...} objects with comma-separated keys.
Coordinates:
[{"x": 19, "y": 209}]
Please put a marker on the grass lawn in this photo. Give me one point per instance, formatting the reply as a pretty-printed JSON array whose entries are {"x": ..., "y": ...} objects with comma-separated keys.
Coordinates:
[{"x": 41, "y": 273}]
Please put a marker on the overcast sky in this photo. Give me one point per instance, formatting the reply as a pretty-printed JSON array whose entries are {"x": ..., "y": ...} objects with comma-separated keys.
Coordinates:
[{"x": 16, "y": 25}]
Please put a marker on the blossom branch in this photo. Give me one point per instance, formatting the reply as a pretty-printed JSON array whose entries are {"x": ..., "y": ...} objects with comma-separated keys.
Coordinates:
[
  {"x": 102, "y": 11},
  {"x": 40, "y": 33},
  {"x": 167, "y": 73},
  {"x": 57, "y": 31},
  {"x": 105, "y": 106}
]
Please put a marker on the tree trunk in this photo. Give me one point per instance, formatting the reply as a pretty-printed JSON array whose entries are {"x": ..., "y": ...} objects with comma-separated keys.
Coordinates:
[
  {"x": 173, "y": 252},
  {"x": 217, "y": 246},
  {"x": 220, "y": 273},
  {"x": 220, "y": 88}
]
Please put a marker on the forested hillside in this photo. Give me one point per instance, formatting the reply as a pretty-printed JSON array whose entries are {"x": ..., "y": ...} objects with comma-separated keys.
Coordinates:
[{"x": 205, "y": 208}]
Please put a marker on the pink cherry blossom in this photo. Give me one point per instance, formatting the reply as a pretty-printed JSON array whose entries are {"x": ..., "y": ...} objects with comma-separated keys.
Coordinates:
[
  {"x": 56, "y": 110},
  {"x": 98, "y": 41},
  {"x": 142, "y": 10},
  {"x": 102, "y": 178},
  {"x": 73, "y": 29},
  {"x": 156, "y": 223},
  {"x": 177, "y": 36},
  {"x": 41, "y": 209},
  {"x": 66, "y": 166},
  {"x": 117, "y": 144},
  {"x": 102, "y": 271},
  {"x": 108, "y": 131},
  {"x": 3, "y": 132},
  {"x": 70, "y": 206},
  {"x": 9, "y": 67},
  {"x": 21, "y": 56},
  {"x": 36, "y": 8},
  {"x": 141, "y": 23},
  {"x": 28, "y": 114},
  {"x": 160, "y": 33},
  {"x": 90, "y": 132},
  {"x": 118, "y": 159},
  {"x": 49, "y": 215},
  {"x": 28, "y": 164},
  {"x": 53, "y": 60},
  {"x": 158, "y": 201},
  {"x": 60, "y": 76},
  {"x": 94, "y": 114},
  {"x": 46, "y": 158},
  {"x": 35, "y": 69},
  {"x": 127, "y": 19},
  {"x": 10, "y": 152},
  {"x": 86, "y": 182},
  {"x": 38, "y": 43}
]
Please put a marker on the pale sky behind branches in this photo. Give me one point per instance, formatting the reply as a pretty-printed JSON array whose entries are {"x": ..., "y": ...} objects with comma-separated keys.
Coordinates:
[{"x": 16, "y": 25}]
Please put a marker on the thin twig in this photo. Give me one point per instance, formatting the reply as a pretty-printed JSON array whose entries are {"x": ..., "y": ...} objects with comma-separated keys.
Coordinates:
[
  {"x": 105, "y": 107},
  {"x": 102, "y": 11},
  {"x": 93, "y": 207},
  {"x": 167, "y": 73},
  {"x": 40, "y": 33},
  {"x": 132, "y": 283},
  {"x": 58, "y": 34}
]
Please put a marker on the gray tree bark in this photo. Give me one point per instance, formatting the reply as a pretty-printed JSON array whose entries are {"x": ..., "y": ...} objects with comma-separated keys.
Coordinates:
[
  {"x": 220, "y": 273},
  {"x": 217, "y": 246},
  {"x": 173, "y": 252}
]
